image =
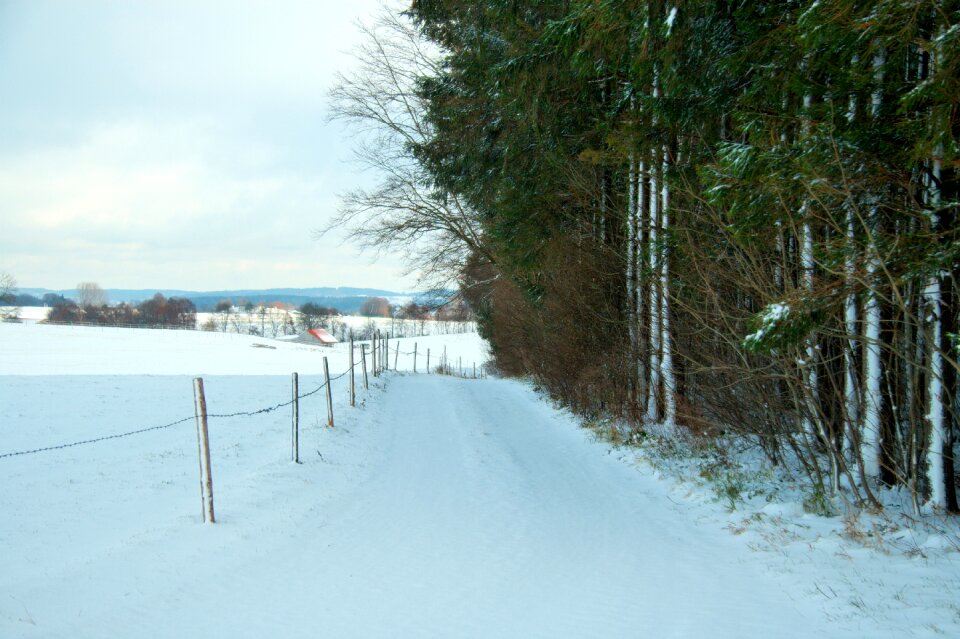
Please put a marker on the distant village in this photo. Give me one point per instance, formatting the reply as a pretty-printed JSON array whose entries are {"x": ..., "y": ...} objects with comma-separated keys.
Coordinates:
[{"x": 278, "y": 319}]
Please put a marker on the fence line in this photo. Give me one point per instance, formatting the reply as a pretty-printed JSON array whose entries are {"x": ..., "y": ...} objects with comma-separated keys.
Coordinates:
[
  {"x": 463, "y": 327},
  {"x": 159, "y": 327},
  {"x": 261, "y": 411},
  {"x": 139, "y": 431},
  {"x": 444, "y": 367},
  {"x": 201, "y": 415}
]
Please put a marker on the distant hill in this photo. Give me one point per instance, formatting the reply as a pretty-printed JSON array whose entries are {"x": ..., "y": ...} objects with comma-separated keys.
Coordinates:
[{"x": 345, "y": 299}]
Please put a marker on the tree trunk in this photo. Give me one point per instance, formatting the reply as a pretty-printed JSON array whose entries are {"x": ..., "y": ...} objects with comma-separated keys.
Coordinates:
[
  {"x": 653, "y": 412},
  {"x": 936, "y": 417},
  {"x": 872, "y": 401},
  {"x": 666, "y": 360}
]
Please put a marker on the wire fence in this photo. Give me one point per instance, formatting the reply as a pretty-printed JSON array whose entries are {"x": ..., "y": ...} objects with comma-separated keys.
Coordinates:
[
  {"x": 444, "y": 367},
  {"x": 97, "y": 439},
  {"x": 379, "y": 364},
  {"x": 139, "y": 431}
]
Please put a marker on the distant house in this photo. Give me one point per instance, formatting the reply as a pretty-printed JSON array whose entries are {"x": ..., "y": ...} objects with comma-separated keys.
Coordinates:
[{"x": 322, "y": 336}]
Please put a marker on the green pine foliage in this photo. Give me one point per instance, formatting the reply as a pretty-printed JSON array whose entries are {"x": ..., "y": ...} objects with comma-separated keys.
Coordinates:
[{"x": 810, "y": 154}]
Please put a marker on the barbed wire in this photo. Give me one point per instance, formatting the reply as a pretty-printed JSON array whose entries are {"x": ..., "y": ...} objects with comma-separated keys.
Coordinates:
[
  {"x": 139, "y": 431},
  {"x": 333, "y": 379},
  {"x": 98, "y": 439}
]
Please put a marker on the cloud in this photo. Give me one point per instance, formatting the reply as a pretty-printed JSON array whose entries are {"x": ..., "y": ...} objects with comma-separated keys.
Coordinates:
[
  {"x": 175, "y": 144},
  {"x": 151, "y": 203}
]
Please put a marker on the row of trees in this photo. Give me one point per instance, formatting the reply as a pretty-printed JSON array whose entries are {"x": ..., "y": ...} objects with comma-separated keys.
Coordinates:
[
  {"x": 88, "y": 294},
  {"x": 158, "y": 311},
  {"x": 26, "y": 299},
  {"x": 273, "y": 319},
  {"x": 452, "y": 310},
  {"x": 736, "y": 216}
]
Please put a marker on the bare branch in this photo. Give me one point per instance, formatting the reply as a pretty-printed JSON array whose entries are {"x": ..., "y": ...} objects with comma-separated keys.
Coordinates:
[{"x": 435, "y": 229}]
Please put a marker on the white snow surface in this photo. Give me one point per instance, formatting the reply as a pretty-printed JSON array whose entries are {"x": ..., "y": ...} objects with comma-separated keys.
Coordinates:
[
  {"x": 438, "y": 507},
  {"x": 39, "y": 349}
]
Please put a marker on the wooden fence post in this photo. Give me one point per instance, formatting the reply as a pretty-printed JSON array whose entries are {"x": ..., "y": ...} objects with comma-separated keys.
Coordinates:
[
  {"x": 414, "y": 357},
  {"x": 363, "y": 365},
  {"x": 373, "y": 352},
  {"x": 353, "y": 388},
  {"x": 295, "y": 426},
  {"x": 203, "y": 446},
  {"x": 326, "y": 375},
  {"x": 396, "y": 359},
  {"x": 474, "y": 370}
]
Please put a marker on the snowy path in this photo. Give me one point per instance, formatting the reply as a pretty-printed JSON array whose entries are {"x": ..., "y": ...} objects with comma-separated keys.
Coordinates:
[
  {"x": 503, "y": 523},
  {"x": 444, "y": 508}
]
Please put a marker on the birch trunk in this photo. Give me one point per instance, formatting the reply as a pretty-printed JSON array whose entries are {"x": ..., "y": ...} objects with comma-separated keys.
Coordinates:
[
  {"x": 632, "y": 273},
  {"x": 935, "y": 416},
  {"x": 807, "y": 267},
  {"x": 806, "y": 260},
  {"x": 872, "y": 401},
  {"x": 814, "y": 422},
  {"x": 935, "y": 408},
  {"x": 852, "y": 409},
  {"x": 851, "y": 383},
  {"x": 653, "y": 412},
  {"x": 666, "y": 359},
  {"x": 643, "y": 309}
]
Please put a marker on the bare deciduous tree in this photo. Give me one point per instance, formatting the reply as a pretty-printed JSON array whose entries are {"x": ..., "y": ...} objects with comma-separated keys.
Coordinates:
[
  {"x": 8, "y": 290},
  {"x": 436, "y": 229},
  {"x": 375, "y": 307},
  {"x": 89, "y": 294}
]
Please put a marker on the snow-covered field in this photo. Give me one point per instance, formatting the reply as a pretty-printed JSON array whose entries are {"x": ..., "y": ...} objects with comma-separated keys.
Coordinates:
[
  {"x": 37, "y": 349},
  {"x": 438, "y": 507},
  {"x": 278, "y": 323}
]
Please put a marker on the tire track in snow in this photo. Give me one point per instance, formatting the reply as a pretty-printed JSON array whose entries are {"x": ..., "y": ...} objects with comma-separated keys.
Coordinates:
[{"x": 491, "y": 516}]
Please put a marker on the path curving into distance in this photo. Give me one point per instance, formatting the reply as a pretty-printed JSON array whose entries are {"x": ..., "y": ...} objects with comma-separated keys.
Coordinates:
[{"x": 493, "y": 516}]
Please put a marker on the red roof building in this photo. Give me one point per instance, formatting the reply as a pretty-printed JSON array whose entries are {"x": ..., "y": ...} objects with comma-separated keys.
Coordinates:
[{"x": 322, "y": 336}]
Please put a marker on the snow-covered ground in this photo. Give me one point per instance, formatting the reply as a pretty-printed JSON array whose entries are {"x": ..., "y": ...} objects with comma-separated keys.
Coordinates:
[
  {"x": 32, "y": 313},
  {"x": 37, "y": 349},
  {"x": 278, "y": 323},
  {"x": 438, "y": 507}
]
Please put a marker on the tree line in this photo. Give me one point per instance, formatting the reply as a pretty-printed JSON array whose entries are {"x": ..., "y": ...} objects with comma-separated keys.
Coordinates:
[
  {"x": 736, "y": 217},
  {"x": 158, "y": 311}
]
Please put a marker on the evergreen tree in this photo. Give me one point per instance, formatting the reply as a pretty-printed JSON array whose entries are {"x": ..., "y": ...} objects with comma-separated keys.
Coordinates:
[{"x": 745, "y": 211}]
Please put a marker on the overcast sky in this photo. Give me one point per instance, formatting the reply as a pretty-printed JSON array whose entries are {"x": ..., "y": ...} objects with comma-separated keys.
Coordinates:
[{"x": 176, "y": 144}]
